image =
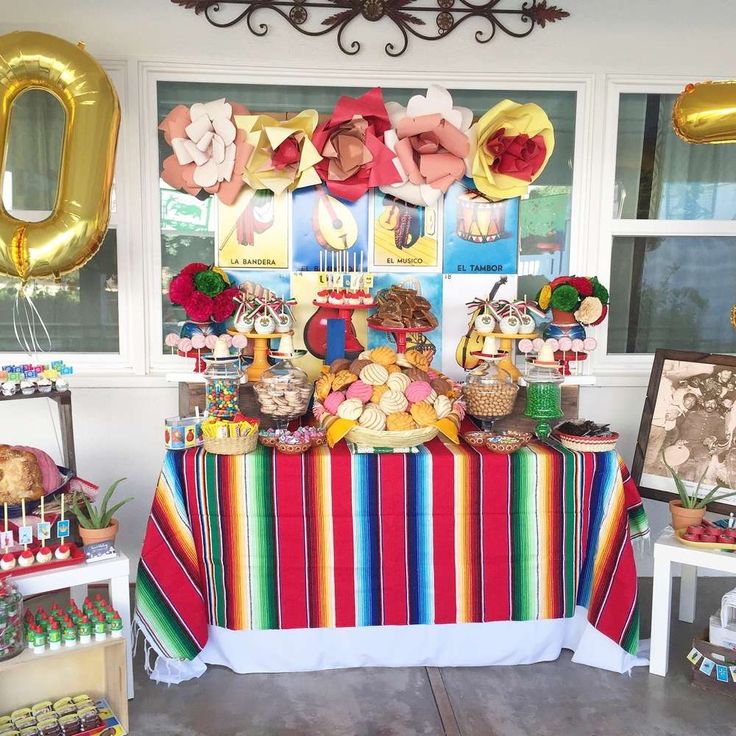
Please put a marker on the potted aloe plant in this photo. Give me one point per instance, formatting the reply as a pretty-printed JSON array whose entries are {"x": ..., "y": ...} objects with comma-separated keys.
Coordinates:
[
  {"x": 97, "y": 522},
  {"x": 690, "y": 508}
]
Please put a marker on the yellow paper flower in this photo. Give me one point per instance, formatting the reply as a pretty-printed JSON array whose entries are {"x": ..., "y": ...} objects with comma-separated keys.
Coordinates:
[
  {"x": 545, "y": 297},
  {"x": 283, "y": 155},
  {"x": 509, "y": 148}
]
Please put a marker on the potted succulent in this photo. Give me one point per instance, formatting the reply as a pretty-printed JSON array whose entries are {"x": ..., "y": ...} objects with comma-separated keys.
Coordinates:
[
  {"x": 690, "y": 508},
  {"x": 97, "y": 522}
]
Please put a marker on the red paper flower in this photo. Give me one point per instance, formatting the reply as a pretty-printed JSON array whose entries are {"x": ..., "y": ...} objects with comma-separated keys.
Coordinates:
[
  {"x": 224, "y": 305},
  {"x": 193, "y": 268},
  {"x": 559, "y": 281},
  {"x": 355, "y": 157},
  {"x": 199, "y": 307},
  {"x": 583, "y": 285},
  {"x": 181, "y": 289},
  {"x": 519, "y": 156}
]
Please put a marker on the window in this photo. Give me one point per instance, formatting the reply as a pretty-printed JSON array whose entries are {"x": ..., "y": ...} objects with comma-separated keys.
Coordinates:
[
  {"x": 673, "y": 251},
  {"x": 187, "y": 223},
  {"x": 80, "y": 311}
]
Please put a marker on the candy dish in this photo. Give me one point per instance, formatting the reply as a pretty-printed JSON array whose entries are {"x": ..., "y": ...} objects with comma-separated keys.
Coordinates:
[
  {"x": 504, "y": 443},
  {"x": 269, "y": 437},
  {"x": 476, "y": 439},
  {"x": 293, "y": 448}
]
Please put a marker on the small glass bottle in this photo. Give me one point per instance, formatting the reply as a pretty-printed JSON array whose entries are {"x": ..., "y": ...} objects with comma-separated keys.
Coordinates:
[
  {"x": 544, "y": 394},
  {"x": 222, "y": 377},
  {"x": 489, "y": 393},
  {"x": 283, "y": 393}
]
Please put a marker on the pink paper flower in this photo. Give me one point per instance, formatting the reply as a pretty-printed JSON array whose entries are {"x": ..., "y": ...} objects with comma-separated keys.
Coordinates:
[
  {"x": 355, "y": 157},
  {"x": 210, "y": 153}
]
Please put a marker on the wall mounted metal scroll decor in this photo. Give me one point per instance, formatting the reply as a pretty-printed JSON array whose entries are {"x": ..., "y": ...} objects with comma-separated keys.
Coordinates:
[{"x": 429, "y": 20}]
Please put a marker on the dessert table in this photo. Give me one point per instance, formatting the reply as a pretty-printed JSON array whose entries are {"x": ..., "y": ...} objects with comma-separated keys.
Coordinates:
[{"x": 449, "y": 556}]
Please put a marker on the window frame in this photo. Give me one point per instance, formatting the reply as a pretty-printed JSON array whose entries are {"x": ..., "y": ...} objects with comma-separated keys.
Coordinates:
[
  {"x": 150, "y": 73},
  {"x": 633, "y": 369},
  {"x": 130, "y": 359}
]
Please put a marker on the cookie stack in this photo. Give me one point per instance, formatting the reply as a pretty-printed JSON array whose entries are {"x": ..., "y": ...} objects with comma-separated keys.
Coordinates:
[
  {"x": 400, "y": 308},
  {"x": 383, "y": 391}
]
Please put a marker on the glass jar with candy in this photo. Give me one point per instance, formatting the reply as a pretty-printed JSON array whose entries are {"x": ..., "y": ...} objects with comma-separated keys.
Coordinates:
[{"x": 222, "y": 376}]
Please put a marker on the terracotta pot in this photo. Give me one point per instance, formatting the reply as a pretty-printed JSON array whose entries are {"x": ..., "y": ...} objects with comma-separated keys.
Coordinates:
[
  {"x": 563, "y": 318},
  {"x": 683, "y": 518},
  {"x": 91, "y": 536}
]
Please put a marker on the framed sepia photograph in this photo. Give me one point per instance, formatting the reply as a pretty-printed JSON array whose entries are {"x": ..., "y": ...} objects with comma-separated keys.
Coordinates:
[{"x": 689, "y": 414}]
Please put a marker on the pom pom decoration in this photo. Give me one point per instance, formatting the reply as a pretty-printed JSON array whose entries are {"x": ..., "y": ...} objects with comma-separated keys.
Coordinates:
[
  {"x": 209, "y": 282},
  {"x": 204, "y": 292},
  {"x": 199, "y": 307},
  {"x": 565, "y": 298},
  {"x": 181, "y": 289}
]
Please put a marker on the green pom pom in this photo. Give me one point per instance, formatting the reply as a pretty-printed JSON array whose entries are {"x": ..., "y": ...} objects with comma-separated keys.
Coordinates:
[
  {"x": 565, "y": 298},
  {"x": 209, "y": 283},
  {"x": 599, "y": 290}
]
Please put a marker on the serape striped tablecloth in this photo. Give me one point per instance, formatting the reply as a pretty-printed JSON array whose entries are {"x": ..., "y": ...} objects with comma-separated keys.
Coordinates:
[{"x": 452, "y": 534}]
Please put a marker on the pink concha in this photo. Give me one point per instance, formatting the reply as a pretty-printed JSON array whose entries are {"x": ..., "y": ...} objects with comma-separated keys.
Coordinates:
[
  {"x": 360, "y": 390},
  {"x": 210, "y": 341},
  {"x": 333, "y": 401},
  {"x": 590, "y": 343},
  {"x": 198, "y": 341},
  {"x": 417, "y": 391}
]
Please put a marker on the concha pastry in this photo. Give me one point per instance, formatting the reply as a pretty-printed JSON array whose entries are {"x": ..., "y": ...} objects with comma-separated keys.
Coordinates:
[
  {"x": 441, "y": 385},
  {"x": 383, "y": 355},
  {"x": 339, "y": 364},
  {"x": 418, "y": 359},
  {"x": 418, "y": 391},
  {"x": 374, "y": 374},
  {"x": 365, "y": 355},
  {"x": 323, "y": 386},
  {"x": 350, "y": 409},
  {"x": 417, "y": 374},
  {"x": 343, "y": 379},
  {"x": 378, "y": 391},
  {"x": 392, "y": 402},
  {"x": 372, "y": 418},
  {"x": 423, "y": 414},
  {"x": 357, "y": 365},
  {"x": 442, "y": 406},
  {"x": 398, "y": 382},
  {"x": 393, "y": 368},
  {"x": 400, "y": 422},
  {"x": 402, "y": 361},
  {"x": 432, "y": 396},
  {"x": 360, "y": 390}
]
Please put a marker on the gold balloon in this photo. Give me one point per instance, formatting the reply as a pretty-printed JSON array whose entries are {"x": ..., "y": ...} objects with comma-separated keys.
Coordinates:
[
  {"x": 74, "y": 230},
  {"x": 706, "y": 113}
]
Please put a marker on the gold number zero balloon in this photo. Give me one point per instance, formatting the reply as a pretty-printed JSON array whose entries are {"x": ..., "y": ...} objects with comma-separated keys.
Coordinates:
[
  {"x": 74, "y": 230},
  {"x": 706, "y": 113}
]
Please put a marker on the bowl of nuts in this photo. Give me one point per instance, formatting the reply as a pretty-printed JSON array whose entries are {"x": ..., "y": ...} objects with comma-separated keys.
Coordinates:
[{"x": 489, "y": 393}]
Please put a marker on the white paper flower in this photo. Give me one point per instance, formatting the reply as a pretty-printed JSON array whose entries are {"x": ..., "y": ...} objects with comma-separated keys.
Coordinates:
[{"x": 430, "y": 139}]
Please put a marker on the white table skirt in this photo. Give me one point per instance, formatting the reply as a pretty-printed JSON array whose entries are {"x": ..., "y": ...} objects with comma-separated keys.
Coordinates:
[{"x": 442, "y": 645}]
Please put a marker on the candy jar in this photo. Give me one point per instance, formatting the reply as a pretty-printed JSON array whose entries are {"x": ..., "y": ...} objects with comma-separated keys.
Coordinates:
[
  {"x": 283, "y": 393},
  {"x": 489, "y": 393},
  {"x": 12, "y": 640},
  {"x": 222, "y": 376},
  {"x": 544, "y": 393}
]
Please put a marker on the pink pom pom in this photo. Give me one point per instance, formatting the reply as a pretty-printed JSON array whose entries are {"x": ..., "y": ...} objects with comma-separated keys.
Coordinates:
[
  {"x": 198, "y": 341},
  {"x": 333, "y": 401},
  {"x": 227, "y": 339},
  {"x": 210, "y": 341},
  {"x": 185, "y": 345},
  {"x": 565, "y": 343},
  {"x": 171, "y": 340},
  {"x": 590, "y": 344},
  {"x": 239, "y": 341}
]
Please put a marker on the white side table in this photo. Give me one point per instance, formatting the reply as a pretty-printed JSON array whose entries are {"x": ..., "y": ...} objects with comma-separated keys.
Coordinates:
[
  {"x": 666, "y": 551},
  {"x": 116, "y": 572}
]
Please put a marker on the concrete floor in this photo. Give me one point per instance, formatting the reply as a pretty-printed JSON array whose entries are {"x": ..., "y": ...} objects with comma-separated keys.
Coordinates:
[{"x": 547, "y": 698}]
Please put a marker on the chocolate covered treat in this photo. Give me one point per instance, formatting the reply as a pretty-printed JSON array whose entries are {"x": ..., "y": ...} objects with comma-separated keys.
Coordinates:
[{"x": 400, "y": 308}]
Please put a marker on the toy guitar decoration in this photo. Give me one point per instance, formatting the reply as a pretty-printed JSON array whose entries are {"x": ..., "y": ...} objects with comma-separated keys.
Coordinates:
[
  {"x": 472, "y": 340},
  {"x": 333, "y": 223}
]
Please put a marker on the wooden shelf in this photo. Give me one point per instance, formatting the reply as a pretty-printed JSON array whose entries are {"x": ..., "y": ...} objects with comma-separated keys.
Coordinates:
[{"x": 97, "y": 668}]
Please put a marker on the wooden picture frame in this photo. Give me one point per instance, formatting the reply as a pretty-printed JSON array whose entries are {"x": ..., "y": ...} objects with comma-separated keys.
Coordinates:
[{"x": 661, "y": 356}]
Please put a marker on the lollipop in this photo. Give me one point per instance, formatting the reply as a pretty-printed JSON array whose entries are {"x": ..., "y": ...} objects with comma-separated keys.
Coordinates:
[
  {"x": 171, "y": 341},
  {"x": 577, "y": 345},
  {"x": 198, "y": 341},
  {"x": 239, "y": 341},
  {"x": 526, "y": 346},
  {"x": 227, "y": 339},
  {"x": 185, "y": 345},
  {"x": 210, "y": 340},
  {"x": 590, "y": 344},
  {"x": 553, "y": 343},
  {"x": 537, "y": 344},
  {"x": 565, "y": 344}
]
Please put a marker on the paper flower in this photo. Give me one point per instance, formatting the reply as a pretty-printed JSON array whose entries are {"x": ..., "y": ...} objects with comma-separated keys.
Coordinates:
[
  {"x": 204, "y": 292},
  {"x": 430, "y": 139},
  {"x": 355, "y": 157},
  {"x": 283, "y": 156},
  {"x": 209, "y": 152},
  {"x": 589, "y": 311},
  {"x": 544, "y": 297},
  {"x": 510, "y": 146}
]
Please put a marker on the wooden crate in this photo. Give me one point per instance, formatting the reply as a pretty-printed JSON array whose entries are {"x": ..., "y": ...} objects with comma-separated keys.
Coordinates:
[
  {"x": 719, "y": 655},
  {"x": 97, "y": 669}
]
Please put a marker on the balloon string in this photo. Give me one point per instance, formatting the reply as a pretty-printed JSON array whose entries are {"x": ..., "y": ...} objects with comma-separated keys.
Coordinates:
[{"x": 26, "y": 321}]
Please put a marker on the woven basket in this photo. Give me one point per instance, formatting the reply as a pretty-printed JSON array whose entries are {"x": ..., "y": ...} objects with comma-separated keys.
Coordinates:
[
  {"x": 407, "y": 438},
  {"x": 588, "y": 444},
  {"x": 231, "y": 445}
]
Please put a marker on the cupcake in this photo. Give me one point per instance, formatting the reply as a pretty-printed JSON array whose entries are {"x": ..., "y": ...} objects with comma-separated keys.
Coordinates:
[
  {"x": 63, "y": 552},
  {"x": 44, "y": 385},
  {"x": 335, "y": 297},
  {"x": 44, "y": 555},
  {"x": 353, "y": 298},
  {"x": 7, "y": 562},
  {"x": 62, "y": 384},
  {"x": 26, "y": 558},
  {"x": 27, "y": 387},
  {"x": 323, "y": 296},
  {"x": 8, "y": 388}
]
